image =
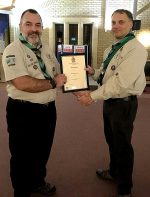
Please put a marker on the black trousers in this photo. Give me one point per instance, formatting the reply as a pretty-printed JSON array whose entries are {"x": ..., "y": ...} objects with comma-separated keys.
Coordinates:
[
  {"x": 119, "y": 116},
  {"x": 31, "y": 129}
]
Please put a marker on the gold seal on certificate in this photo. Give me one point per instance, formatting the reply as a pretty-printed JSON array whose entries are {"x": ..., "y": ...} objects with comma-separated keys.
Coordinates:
[{"x": 73, "y": 66}]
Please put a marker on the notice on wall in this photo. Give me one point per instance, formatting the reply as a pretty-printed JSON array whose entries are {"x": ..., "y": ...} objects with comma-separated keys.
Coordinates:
[
  {"x": 67, "y": 48},
  {"x": 79, "y": 49}
]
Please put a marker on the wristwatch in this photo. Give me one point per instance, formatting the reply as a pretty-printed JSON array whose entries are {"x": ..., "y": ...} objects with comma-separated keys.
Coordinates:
[{"x": 53, "y": 83}]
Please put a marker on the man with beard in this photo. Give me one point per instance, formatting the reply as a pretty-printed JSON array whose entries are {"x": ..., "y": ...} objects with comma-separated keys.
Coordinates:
[
  {"x": 122, "y": 79},
  {"x": 32, "y": 75}
]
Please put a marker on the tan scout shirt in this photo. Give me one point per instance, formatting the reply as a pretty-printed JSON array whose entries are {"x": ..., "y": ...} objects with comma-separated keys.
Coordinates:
[
  {"x": 18, "y": 60},
  {"x": 125, "y": 73}
]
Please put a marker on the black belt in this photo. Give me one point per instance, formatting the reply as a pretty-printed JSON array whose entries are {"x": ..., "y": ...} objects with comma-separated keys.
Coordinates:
[
  {"x": 128, "y": 98},
  {"x": 28, "y": 102}
]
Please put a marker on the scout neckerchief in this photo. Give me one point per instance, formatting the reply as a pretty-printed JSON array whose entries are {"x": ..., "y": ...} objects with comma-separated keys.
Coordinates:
[
  {"x": 37, "y": 52},
  {"x": 113, "y": 51}
]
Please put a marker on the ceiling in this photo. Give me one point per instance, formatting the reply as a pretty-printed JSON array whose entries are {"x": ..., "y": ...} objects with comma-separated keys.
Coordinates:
[
  {"x": 19, "y": 5},
  {"x": 7, "y": 5}
]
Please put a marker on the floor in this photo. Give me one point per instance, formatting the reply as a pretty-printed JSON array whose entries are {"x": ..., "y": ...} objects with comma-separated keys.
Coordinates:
[{"x": 79, "y": 149}]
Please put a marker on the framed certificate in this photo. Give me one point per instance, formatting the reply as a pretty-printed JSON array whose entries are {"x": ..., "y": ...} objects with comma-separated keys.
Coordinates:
[{"x": 73, "y": 66}]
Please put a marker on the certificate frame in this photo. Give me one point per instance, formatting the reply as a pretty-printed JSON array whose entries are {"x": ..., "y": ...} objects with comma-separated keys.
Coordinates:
[{"x": 73, "y": 66}]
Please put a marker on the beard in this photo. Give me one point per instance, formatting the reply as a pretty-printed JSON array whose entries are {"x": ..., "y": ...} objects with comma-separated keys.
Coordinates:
[{"x": 33, "y": 37}]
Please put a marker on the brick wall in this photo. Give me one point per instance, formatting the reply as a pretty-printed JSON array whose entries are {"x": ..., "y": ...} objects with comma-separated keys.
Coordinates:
[
  {"x": 105, "y": 38},
  {"x": 61, "y": 8},
  {"x": 91, "y": 8}
]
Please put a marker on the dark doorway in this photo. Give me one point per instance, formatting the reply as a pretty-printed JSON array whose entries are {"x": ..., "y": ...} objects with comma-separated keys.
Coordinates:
[
  {"x": 87, "y": 40},
  {"x": 59, "y": 35},
  {"x": 73, "y": 34}
]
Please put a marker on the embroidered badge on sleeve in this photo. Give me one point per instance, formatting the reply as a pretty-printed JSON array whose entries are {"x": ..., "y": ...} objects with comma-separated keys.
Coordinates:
[{"x": 10, "y": 60}]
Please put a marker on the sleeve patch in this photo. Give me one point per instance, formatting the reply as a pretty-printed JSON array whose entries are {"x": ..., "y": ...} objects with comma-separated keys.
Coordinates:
[{"x": 10, "y": 60}]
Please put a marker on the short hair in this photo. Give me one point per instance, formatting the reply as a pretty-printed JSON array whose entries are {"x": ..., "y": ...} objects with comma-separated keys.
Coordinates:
[
  {"x": 30, "y": 11},
  {"x": 122, "y": 11}
]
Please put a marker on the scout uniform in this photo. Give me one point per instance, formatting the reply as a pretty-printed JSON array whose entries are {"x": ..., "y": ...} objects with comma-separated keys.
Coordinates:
[
  {"x": 123, "y": 81},
  {"x": 19, "y": 60},
  {"x": 125, "y": 73},
  {"x": 31, "y": 117}
]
